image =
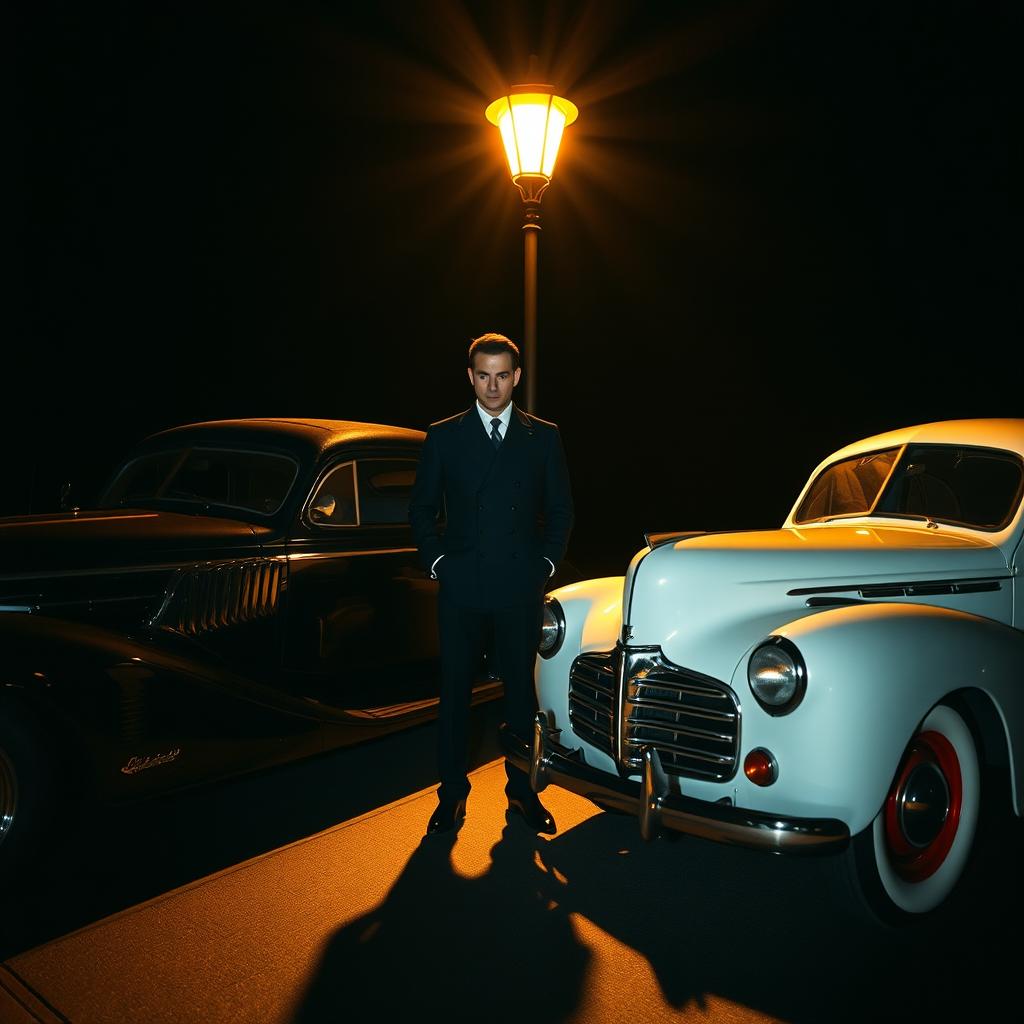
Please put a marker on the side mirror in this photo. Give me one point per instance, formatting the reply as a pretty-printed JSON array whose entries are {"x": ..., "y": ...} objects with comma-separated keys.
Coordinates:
[{"x": 323, "y": 508}]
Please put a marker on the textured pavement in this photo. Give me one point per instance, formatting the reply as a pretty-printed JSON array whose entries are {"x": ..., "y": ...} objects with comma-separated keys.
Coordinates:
[
  {"x": 371, "y": 921},
  {"x": 366, "y": 917}
]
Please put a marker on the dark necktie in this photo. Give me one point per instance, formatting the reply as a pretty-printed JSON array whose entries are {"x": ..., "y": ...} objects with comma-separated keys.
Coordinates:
[{"x": 495, "y": 436}]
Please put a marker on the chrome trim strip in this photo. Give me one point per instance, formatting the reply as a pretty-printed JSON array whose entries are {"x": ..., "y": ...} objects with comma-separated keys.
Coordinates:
[
  {"x": 654, "y": 682},
  {"x": 161, "y": 567},
  {"x": 667, "y": 705},
  {"x": 548, "y": 762},
  {"x": 77, "y": 518},
  {"x": 621, "y": 674},
  {"x": 994, "y": 581},
  {"x": 582, "y": 701},
  {"x": 627, "y": 601},
  {"x": 299, "y": 556},
  {"x": 678, "y": 748},
  {"x": 90, "y": 601},
  {"x": 715, "y": 737}
]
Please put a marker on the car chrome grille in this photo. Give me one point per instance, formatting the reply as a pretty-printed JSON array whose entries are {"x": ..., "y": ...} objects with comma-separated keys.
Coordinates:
[
  {"x": 212, "y": 597},
  {"x": 691, "y": 719},
  {"x": 592, "y": 685}
]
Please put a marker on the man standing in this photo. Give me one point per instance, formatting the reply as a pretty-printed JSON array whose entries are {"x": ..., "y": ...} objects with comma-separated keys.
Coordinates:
[{"x": 500, "y": 477}]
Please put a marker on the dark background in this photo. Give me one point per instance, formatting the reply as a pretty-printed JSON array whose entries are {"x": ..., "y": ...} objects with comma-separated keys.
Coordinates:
[{"x": 776, "y": 227}]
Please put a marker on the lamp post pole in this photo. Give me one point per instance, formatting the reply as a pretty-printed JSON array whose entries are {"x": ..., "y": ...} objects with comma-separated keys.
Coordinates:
[
  {"x": 531, "y": 237},
  {"x": 531, "y": 119}
]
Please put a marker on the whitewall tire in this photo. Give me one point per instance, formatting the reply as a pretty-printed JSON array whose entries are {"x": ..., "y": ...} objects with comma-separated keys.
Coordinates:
[{"x": 908, "y": 862}]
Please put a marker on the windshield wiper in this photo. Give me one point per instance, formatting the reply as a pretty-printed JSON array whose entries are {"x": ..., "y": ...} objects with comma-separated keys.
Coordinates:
[{"x": 929, "y": 520}]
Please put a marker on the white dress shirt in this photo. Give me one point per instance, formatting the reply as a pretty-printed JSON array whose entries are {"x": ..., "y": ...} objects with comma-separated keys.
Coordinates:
[{"x": 485, "y": 416}]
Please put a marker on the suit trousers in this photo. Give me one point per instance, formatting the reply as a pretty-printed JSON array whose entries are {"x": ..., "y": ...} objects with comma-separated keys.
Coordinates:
[{"x": 463, "y": 634}]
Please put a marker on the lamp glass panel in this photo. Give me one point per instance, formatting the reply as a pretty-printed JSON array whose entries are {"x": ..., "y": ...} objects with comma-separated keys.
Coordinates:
[
  {"x": 556, "y": 125},
  {"x": 531, "y": 119},
  {"x": 508, "y": 137}
]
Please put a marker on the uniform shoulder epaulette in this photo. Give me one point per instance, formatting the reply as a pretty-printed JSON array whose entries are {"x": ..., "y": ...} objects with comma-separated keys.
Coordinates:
[
  {"x": 457, "y": 418},
  {"x": 536, "y": 421}
]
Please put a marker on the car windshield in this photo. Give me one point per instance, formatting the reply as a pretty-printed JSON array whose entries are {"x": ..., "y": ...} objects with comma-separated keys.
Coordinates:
[
  {"x": 975, "y": 487},
  {"x": 245, "y": 480}
]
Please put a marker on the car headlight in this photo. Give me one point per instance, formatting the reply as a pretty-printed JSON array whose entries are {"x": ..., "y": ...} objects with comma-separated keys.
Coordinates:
[
  {"x": 777, "y": 675},
  {"x": 552, "y": 628}
]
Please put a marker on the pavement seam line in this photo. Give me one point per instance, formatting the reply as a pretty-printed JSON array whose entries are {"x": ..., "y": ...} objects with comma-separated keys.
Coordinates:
[{"x": 16, "y": 987}]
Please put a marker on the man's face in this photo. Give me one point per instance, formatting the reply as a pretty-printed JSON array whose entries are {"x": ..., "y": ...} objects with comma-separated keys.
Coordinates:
[{"x": 493, "y": 379}]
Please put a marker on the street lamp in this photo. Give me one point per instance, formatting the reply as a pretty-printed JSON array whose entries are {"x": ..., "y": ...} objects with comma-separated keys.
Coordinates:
[{"x": 531, "y": 119}]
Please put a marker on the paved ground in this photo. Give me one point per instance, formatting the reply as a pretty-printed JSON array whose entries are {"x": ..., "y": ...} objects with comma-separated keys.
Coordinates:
[{"x": 370, "y": 919}]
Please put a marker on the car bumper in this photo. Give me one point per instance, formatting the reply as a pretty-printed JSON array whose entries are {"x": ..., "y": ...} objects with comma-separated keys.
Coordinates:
[{"x": 657, "y": 808}]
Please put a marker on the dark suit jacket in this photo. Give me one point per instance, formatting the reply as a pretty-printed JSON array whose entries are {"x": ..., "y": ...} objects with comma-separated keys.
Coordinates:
[{"x": 507, "y": 509}]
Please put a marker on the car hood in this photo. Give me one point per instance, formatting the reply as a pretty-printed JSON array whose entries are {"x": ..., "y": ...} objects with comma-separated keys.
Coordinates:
[
  {"x": 706, "y": 599},
  {"x": 114, "y": 538}
]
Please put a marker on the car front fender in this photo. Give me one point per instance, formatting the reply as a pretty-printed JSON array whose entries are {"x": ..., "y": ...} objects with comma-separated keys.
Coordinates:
[
  {"x": 593, "y": 622},
  {"x": 873, "y": 673},
  {"x": 112, "y": 705}
]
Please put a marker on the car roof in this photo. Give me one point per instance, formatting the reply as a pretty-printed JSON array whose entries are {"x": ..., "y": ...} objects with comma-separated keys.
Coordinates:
[
  {"x": 1007, "y": 434},
  {"x": 302, "y": 437}
]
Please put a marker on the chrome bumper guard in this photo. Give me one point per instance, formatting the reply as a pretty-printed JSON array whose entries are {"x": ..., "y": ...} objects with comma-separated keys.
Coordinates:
[{"x": 650, "y": 800}]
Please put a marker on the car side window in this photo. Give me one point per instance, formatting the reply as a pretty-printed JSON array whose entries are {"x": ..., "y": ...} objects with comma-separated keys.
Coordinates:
[
  {"x": 142, "y": 478},
  {"x": 385, "y": 487},
  {"x": 334, "y": 502},
  {"x": 248, "y": 480}
]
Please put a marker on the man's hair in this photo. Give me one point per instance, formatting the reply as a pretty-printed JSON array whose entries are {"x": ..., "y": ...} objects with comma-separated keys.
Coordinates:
[{"x": 493, "y": 345}]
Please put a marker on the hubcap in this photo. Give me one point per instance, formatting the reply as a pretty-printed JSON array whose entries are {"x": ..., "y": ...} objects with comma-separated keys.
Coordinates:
[
  {"x": 922, "y": 811},
  {"x": 923, "y": 805}
]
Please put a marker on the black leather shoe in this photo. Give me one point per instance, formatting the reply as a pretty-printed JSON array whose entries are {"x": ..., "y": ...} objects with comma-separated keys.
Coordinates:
[
  {"x": 446, "y": 816},
  {"x": 533, "y": 812}
]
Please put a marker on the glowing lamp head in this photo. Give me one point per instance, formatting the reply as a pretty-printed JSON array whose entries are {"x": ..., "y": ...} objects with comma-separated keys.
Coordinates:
[{"x": 531, "y": 119}]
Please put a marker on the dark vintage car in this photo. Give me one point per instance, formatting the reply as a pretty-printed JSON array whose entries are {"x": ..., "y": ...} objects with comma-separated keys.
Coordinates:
[{"x": 245, "y": 593}]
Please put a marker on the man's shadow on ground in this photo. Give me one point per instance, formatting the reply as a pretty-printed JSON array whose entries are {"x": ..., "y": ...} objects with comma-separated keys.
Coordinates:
[
  {"x": 445, "y": 947},
  {"x": 770, "y": 933}
]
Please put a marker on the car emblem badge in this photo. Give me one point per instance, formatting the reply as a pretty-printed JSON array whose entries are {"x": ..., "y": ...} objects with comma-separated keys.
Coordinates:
[{"x": 138, "y": 764}]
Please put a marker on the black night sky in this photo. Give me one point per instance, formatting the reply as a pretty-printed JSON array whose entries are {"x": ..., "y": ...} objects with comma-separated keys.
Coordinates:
[{"x": 775, "y": 227}]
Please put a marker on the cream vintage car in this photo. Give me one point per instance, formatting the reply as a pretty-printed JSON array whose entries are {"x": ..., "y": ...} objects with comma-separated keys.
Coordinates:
[{"x": 837, "y": 686}]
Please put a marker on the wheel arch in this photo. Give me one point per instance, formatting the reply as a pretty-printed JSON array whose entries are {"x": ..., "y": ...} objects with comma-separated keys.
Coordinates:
[
  {"x": 992, "y": 738},
  {"x": 52, "y": 669},
  {"x": 897, "y": 873},
  {"x": 63, "y": 742}
]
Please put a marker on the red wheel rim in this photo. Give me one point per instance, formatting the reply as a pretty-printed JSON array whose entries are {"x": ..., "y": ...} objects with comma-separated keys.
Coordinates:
[{"x": 928, "y": 751}]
